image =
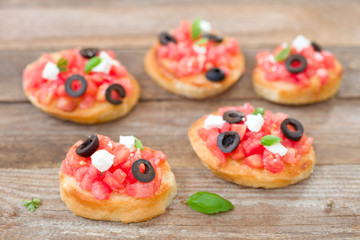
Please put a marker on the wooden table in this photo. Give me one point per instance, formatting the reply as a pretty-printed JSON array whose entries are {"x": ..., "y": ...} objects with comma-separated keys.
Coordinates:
[{"x": 34, "y": 144}]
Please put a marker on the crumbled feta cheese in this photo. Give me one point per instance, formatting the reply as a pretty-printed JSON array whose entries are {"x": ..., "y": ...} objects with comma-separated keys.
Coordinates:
[
  {"x": 110, "y": 144},
  {"x": 102, "y": 160},
  {"x": 301, "y": 42},
  {"x": 318, "y": 56},
  {"x": 50, "y": 71},
  {"x": 205, "y": 26},
  {"x": 106, "y": 62},
  {"x": 271, "y": 59},
  {"x": 199, "y": 49},
  {"x": 277, "y": 148},
  {"x": 213, "y": 121},
  {"x": 128, "y": 141},
  {"x": 254, "y": 122}
]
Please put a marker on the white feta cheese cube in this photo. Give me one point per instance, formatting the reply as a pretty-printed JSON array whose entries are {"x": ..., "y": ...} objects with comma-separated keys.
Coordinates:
[
  {"x": 301, "y": 42},
  {"x": 128, "y": 141},
  {"x": 213, "y": 121},
  {"x": 50, "y": 71},
  {"x": 104, "y": 66},
  {"x": 110, "y": 145},
  {"x": 254, "y": 122},
  {"x": 277, "y": 148},
  {"x": 205, "y": 26},
  {"x": 102, "y": 160}
]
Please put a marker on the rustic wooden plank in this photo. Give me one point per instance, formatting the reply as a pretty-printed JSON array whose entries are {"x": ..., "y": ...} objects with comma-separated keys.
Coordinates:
[
  {"x": 296, "y": 212},
  {"x": 34, "y": 139},
  {"x": 137, "y": 23},
  {"x": 11, "y": 74}
]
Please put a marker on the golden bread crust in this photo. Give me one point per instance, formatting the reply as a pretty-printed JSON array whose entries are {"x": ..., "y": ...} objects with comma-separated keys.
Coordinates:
[
  {"x": 292, "y": 94},
  {"x": 240, "y": 173},
  {"x": 98, "y": 113},
  {"x": 197, "y": 86},
  {"x": 118, "y": 207}
]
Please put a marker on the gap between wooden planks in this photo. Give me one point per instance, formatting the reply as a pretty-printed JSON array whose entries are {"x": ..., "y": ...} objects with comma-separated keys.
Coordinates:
[{"x": 300, "y": 211}]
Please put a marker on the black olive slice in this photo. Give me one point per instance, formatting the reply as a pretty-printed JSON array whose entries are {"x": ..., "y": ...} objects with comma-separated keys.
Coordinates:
[
  {"x": 148, "y": 175},
  {"x": 68, "y": 86},
  {"x": 233, "y": 116},
  {"x": 89, "y": 52},
  {"x": 296, "y": 58},
  {"x": 87, "y": 148},
  {"x": 120, "y": 91},
  {"x": 228, "y": 141},
  {"x": 316, "y": 46},
  {"x": 165, "y": 38},
  {"x": 289, "y": 134},
  {"x": 213, "y": 37},
  {"x": 215, "y": 75}
]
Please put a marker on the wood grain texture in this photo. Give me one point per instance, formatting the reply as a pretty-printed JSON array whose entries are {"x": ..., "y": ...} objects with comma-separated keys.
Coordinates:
[
  {"x": 135, "y": 23},
  {"x": 296, "y": 212},
  {"x": 11, "y": 74},
  {"x": 34, "y": 139}
]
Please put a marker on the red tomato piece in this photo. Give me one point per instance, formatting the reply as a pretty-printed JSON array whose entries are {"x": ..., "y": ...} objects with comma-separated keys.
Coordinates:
[
  {"x": 272, "y": 162},
  {"x": 100, "y": 190},
  {"x": 212, "y": 146},
  {"x": 254, "y": 161},
  {"x": 240, "y": 129}
]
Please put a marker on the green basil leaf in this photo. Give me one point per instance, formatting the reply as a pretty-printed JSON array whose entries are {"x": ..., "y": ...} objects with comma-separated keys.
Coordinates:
[
  {"x": 196, "y": 30},
  {"x": 138, "y": 144},
  {"x": 93, "y": 62},
  {"x": 202, "y": 41},
  {"x": 259, "y": 110},
  {"x": 208, "y": 203},
  {"x": 283, "y": 54},
  {"x": 32, "y": 204},
  {"x": 269, "y": 140},
  {"x": 26, "y": 202},
  {"x": 62, "y": 64}
]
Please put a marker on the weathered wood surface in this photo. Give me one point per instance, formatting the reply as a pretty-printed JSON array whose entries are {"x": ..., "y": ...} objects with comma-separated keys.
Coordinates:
[
  {"x": 44, "y": 24},
  {"x": 34, "y": 142},
  {"x": 34, "y": 139},
  {"x": 296, "y": 212}
]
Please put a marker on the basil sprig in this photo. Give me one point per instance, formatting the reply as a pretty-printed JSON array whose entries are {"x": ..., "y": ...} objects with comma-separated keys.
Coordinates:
[
  {"x": 62, "y": 64},
  {"x": 259, "y": 110},
  {"x": 93, "y": 62},
  {"x": 32, "y": 204},
  {"x": 283, "y": 54},
  {"x": 208, "y": 203},
  {"x": 138, "y": 144},
  {"x": 195, "y": 29},
  {"x": 269, "y": 140}
]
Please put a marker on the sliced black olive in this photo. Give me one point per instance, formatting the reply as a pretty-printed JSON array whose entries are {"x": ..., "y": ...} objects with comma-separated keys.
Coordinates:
[
  {"x": 289, "y": 134},
  {"x": 213, "y": 37},
  {"x": 148, "y": 175},
  {"x": 215, "y": 75},
  {"x": 316, "y": 46},
  {"x": 233, "y": 116},
  {"x": 87, "y": 148},
  {"x": 119, "y": 90},
  {"x": 165, "y": 38},
  {"x": 68, "y": 86},
  {"x": 89, "y": 52},
  {"x": 228, "y": 141},
  {"x": 296, "y": 58}
]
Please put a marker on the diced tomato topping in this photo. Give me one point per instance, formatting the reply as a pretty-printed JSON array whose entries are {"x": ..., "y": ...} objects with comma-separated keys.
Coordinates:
[
  {"x": 276, "y": 71},
  {"x": 211, "y": 143},
  {"x": 182, "y": 60},
  {"x": 80, "y": 172},
  {"x": 250, "y": 148},
  {"x": 272, "y": 162},
  {"x": 46, "y": 91},
  {"x": 254, "y": 161},
  {"x": 100, "y": 190}
]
